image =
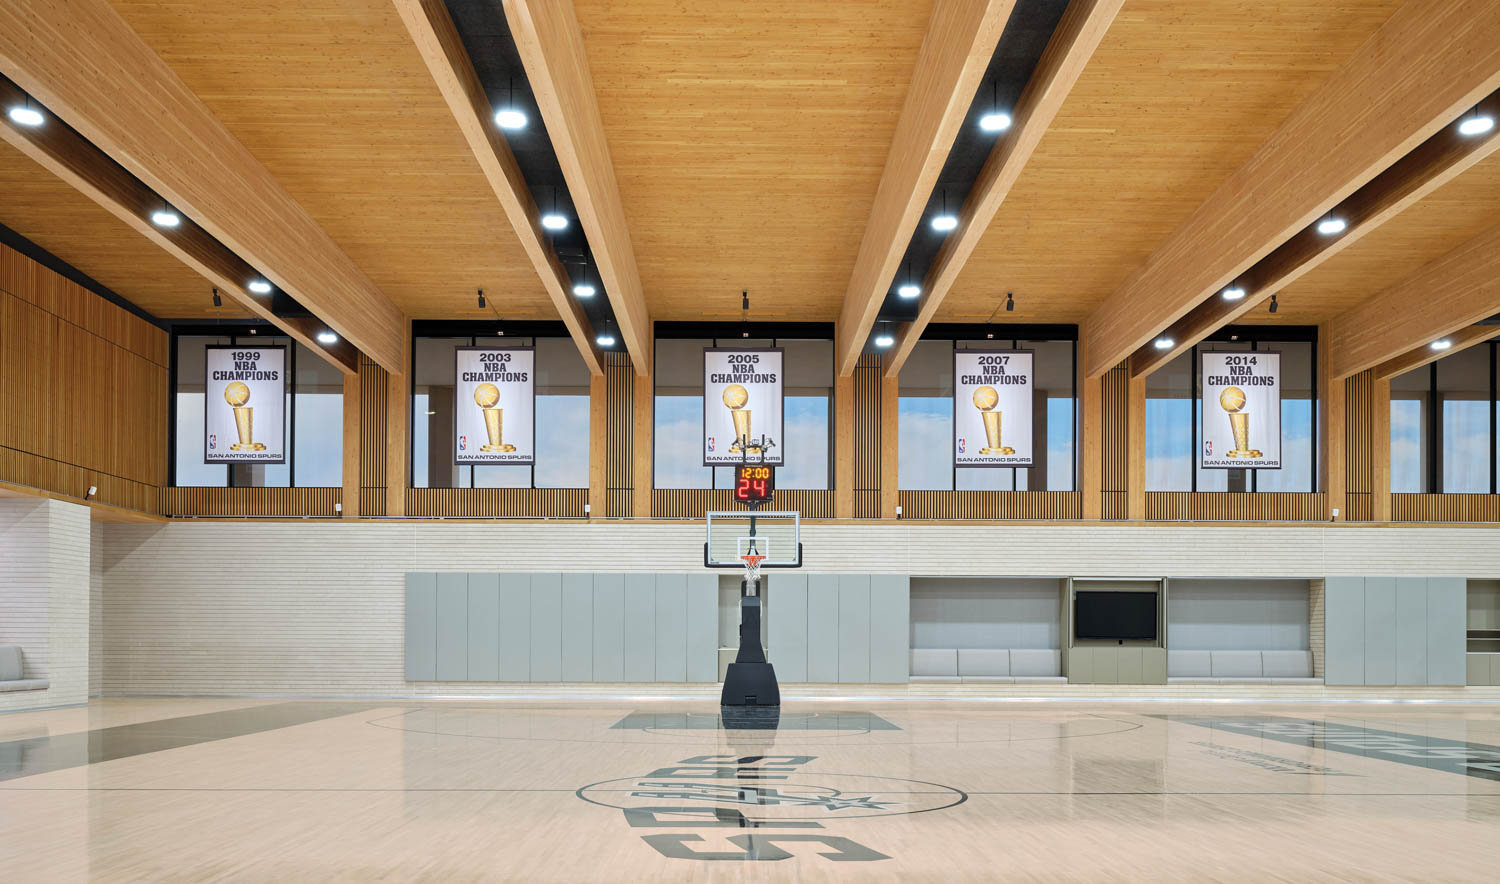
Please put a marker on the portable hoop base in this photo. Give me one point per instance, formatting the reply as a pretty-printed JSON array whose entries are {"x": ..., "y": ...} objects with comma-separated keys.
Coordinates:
[{"x": 750, "y": 681}]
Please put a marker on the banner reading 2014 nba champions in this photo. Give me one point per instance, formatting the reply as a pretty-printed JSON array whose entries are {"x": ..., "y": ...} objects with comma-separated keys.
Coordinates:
[
  {"x": 742, "y": 406},
  {"x": 494, "y": 406},
  {"x": 1241, "y": 410},
  {"x": 244, "y": 415},
  {"x": 992, "y": 401}
]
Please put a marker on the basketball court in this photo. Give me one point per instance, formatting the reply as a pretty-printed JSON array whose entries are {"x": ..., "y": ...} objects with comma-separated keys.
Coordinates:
[{"x": 859, "y": 440}]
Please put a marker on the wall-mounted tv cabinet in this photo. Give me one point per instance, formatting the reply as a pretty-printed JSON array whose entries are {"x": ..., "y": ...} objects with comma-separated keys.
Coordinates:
[{"x": 1115, "y": 631}]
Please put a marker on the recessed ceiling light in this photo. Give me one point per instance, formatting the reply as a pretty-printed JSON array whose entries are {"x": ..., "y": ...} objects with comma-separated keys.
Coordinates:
[
  {"x": 165, "y": 218},
  {"x": 553, "y": 221},
  {"x": 26, "y": 115},
  {"x": 1329, "y": 226},
  {"x": 260, "y": 287},
  {"x": 327, "y": 337},
  {"x": 1476, "y": 124},
  {"x": 909, "y": 291},
  {"x": 583, "y": 290},
  {"x": 510, "y": 118},
  {"x": 1165, "y": 343},
  {"x": 944, "y": 223},
  {"x": 1441, "y": 345},
  {"x": 994, "y": 122},
  {"x": 884, "y": 340},
  {"x": 1233, "y": 293},
  {"x": 605, "y": 339}
]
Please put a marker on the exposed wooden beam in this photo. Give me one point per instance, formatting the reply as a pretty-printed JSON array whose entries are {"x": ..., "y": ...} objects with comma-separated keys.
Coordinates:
[
  {"x": 350, "y": 499},
  {"x": 437, "y": 40},
  {"x": 66, "y": 154},
  {"x": 1432, "y": 60},
  {"x": 1421, "y": 355},
  {"x": 1333, "y": 423},
  {"x": 84, "y": 63},
  {"x": 1442, "y": 298},
  {"x": 1435, "y": 162},
  {"x": 550, "y": 42},
  {"x": 960, "y": 40},
  {"x": 1072, "y": 45}
]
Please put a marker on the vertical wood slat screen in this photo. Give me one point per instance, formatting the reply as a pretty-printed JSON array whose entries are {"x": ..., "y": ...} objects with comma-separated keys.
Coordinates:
[
  {"x": 867, "y": 442},
  {"x": 496, "y": 503},
  {"x": 1114, "y": 401},
  {"x": 287, "y": 502},
  {"x": 1034, "y": 505},
  {"x": 693, "y": 503},
  {"x": 374, "y": 390},
  {"x": 1445, "y": 507},
  {"x": 1357, "y": 450},
  {"x": 619, "y": 430},
  {"x": 1221, "y": 506}
]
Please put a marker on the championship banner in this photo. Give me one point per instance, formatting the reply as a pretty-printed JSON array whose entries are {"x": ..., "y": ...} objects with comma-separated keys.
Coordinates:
[
  {"x": 742, "y": 405},
  {"x": 992, "y": 402},
  {"x": 494, "y": 405},
  {"x": 1241, "y": 410},
  {"x": 244, "y": 414}
]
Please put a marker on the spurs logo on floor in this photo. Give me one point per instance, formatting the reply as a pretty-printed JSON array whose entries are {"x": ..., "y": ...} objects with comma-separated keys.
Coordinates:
[{"x": 761, "y": 793}]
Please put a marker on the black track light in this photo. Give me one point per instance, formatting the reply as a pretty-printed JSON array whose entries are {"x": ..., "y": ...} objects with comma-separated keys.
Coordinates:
[
  {"x": 218, "y": 301},
  {"x": 1273, "y": 304},
  {"x": 481, "y": 299},
  {"x": 1010, "y": 303}
]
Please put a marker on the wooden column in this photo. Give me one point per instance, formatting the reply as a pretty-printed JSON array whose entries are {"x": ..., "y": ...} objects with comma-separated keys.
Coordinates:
[
  {"x": 1090, "y": 440},
  {"x": 351, "y": 446},
  {"x": 1380, "y": 451},
  {"x": 1333, "y": 420},
  {"x": 642, "y": 476},
  {"x": 890, "y": 390},
  {"x": 843, "y": 447},
  {"x": 598, "y": 416},
  {"x": 1135, "y": 450},
  {"x": 398, "y": 430}
]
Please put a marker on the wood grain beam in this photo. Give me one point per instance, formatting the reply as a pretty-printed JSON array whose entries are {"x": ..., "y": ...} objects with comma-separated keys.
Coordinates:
[
  {"x": 1432, "y": 60},
  {"x": 1421, "y": 355},
  {"x": 350, "y": 500},
  {"x": 960, "y": 40},
  {"x": 85, "y": 65},
  {"x": 1441, "y": 299},
  {"x": 550, "y": 42},
  {"x": 1072, "y": 45},
  {"x": 1333, "y": 423},
  {"x": 1434, "y": 163},
  {"x": 68, "y": 155},
  {"x": 438, "y": 42}
]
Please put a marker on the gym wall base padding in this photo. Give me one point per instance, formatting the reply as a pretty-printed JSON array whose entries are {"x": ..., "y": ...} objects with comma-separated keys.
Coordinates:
[
  {"x": 1395, "y": 630},
  {"x": 846, "y": 628},
  {"x": 561, "y": 627}
]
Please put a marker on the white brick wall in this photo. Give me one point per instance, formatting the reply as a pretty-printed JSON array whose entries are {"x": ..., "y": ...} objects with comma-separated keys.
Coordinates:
[
  {"x": 96, "y": 608},
  {"x": 44, "y": 597},
  {"x": 316, "y": 608}
]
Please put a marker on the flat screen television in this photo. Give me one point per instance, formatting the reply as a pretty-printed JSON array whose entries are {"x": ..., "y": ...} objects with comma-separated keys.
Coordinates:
[{"x": 1112, "y": 616}]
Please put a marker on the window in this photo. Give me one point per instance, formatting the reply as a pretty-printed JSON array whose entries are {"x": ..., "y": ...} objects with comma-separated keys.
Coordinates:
[
  {"x": 925, "y": 421},
  {"x": 315, "y": 418},
  {"x": 562, "y": 417},
  {"x": 1443, "y": 425},
  {"x": 678, "y": 415},
  {"x": 1174, "y": 422}
]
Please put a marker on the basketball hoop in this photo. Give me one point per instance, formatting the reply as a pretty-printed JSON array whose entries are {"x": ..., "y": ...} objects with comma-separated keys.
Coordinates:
[{"x": 752, "y": 566}]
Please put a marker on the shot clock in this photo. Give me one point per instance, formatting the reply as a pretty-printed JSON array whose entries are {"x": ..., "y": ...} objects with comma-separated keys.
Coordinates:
[{"x": 754, "y": 483}]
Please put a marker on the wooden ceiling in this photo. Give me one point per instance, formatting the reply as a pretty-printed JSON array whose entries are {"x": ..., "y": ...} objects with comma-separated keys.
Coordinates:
[
  {"x": 333, "y": 98},
  {"x": 748, "y": 140},
  {"x": 1179, "y": 94},
  {"x": 51, "y": 213}
]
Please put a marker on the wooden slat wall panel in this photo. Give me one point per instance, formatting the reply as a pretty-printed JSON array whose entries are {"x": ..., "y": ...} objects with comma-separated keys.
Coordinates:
[
  {"x": 1034, "y": 505},
  {"x": 619, "y": 434},
  {"x": 1234, "y": 507},
  {"x": 867, "y": 441},
  {"x": 1445, "y": 507},
  {"x": 25, "y": 469},
  {"x": 496, "y": 503},
  {"x": 1114, "y": 505},
  {"x": 1360, "y": 507},
  {"x": 374, "y": 393},
  {"x": 692, "y": 503},
  {"x": 1115, "y": 396},
  {"x": 251, "y": 501},
  {"x": 1357, "y": 448}
]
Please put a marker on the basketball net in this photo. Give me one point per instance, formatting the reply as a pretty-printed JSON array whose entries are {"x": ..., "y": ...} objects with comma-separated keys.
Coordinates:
[{"x": 752, "y": 567}]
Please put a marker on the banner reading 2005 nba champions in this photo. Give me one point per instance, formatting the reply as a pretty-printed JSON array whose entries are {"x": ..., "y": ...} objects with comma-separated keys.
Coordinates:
[
  {"x": 742, "y": 402},
  {"x": 1241, "y": 410},
  {"x": 244, "y": 418},
  {"x": 494, "y": 406},
  {"x": 992, "y": 401}
]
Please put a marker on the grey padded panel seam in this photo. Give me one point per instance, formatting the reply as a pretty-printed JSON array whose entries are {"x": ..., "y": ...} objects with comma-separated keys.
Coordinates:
[{"x": 421, "y": 627}]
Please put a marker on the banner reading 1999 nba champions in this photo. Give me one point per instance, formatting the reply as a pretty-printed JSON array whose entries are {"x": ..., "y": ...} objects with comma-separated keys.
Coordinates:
[
  {"x": 742, "y": 406},
  {"x": 992, "y": 401},
  {"x": 1241, "y": 410},
  {"x": 244, "y": 415},
  {"x": 494, "y": 406}
]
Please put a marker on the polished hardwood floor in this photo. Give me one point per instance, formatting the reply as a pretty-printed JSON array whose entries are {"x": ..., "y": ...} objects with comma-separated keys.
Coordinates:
[{"x": 268, "y": 790}]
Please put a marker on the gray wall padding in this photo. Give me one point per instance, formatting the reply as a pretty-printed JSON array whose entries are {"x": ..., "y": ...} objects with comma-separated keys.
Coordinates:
[
  {"x": 950, "y": 612},
  {"x": 1237, "y": 615}
]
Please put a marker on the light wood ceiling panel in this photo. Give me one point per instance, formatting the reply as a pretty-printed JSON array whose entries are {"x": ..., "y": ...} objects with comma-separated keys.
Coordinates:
[
  {"x": 1177, "y": 97},
  {"x": 748, "y": 141},
  {"x": 51, "y": 213},
  {"x": 334, "y": 99}
]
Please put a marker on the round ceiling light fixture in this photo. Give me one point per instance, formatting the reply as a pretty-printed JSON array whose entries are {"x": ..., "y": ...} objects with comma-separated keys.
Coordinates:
[
  {"x": 583, "y": 290},
  {"x": 1233, "y": 293},
  {"x": 260, "y": 286},
  {"x": 165, "y": 218},
  {"x": 1165, "y": 343},
  {"x": 909, "y": 291},
  {"x": 327, "y": 337},
  {"x": 994, "y": 122},
  {"x": 1443, "y": 344},
  {"x": 26, "y": 115},
  {"x": 1331, "y": 225},
  {"x": 1476, "y": 123},
  {"x": 510, "y": 119}
]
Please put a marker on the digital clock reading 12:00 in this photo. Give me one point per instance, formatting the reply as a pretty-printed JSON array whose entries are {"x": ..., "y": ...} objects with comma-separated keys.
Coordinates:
[{"x": 754, "y": 484}]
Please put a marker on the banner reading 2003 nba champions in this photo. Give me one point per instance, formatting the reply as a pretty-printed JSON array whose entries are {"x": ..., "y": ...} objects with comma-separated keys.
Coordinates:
[
  {"x": 1241, "y": 410},
  {"x": 244, "y": 418},
  {"x": 992, "y": 401},
  {"x": 494, "y": 406},
  {"x": 742, "y": 402}
]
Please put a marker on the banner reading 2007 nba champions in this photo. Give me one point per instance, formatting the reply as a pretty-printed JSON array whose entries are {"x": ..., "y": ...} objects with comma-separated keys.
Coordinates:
[
  {"x": 494, "y": 406},
  {"x": 244, "y": 417},
  {"x": 992, "y": 401},
  {"x": 742, "y": 405},
  {"x": 1241, "y": 410}
]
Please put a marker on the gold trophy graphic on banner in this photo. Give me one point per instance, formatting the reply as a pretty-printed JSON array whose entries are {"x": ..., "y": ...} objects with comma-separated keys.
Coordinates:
[
  {"x": 735, "y": 398},
  {"x": 1232, "y": 400},
  {"x": 985, "y": 399},
  {"x": 237, "y": 393},
  {"x": 487, "y": 396}
]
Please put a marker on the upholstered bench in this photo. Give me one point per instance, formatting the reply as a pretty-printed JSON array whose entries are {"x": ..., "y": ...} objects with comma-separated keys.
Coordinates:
[
  {"x": 1246, "y": 667},
  {"x": 10, "y": 672},
  {"x": 996, "y": 665}
]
